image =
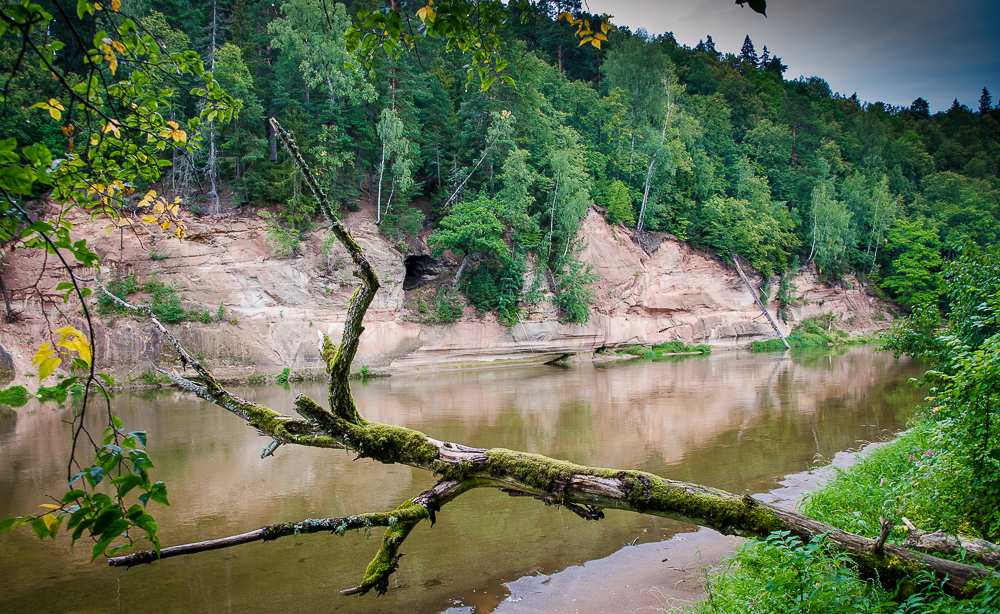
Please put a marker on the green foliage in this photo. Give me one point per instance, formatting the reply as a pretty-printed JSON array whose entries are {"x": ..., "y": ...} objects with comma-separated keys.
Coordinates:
[
  {"x": 913, "y": 274},
  {"x": 447, "y": 307},
  {"x": 679, "y": 347},
  {"x": 123, "y": 460},
  {"x": 471, "y": 228},
  {"x": 812, "y": 332},
  {"x": 122, "y": 288},
  {"x": 779, "y": 575},
  {"x": 965, "y": 378},
  {"x": 615, "y": 198},
  {"x": 15, "y": 396},
  {"x": 164, "y": 300},
  {"x": 573, "y": 294},
  {"x": 283, "y": 376}
]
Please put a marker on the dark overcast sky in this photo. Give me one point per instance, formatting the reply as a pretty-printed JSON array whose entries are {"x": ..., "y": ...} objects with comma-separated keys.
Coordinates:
[{"x": 885, "y": 50}]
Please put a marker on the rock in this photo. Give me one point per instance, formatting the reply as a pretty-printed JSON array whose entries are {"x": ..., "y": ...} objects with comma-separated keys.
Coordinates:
[{"x": 661, "y": 290}]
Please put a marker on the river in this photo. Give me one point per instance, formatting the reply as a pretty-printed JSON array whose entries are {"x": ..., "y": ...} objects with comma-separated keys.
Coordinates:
[{"x": 733, "y": 420}]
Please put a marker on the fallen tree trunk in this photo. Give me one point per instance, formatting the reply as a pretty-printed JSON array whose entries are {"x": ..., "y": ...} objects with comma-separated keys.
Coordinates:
[{"x": 586, "y": 491}]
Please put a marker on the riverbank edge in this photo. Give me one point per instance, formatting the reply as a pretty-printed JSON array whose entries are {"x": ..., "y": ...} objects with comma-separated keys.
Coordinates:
[{"x": 648, "y": 583}]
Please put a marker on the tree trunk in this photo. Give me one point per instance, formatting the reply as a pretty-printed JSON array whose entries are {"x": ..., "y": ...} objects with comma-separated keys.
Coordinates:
[
  {"x": 760, "y": 304},
  {"x": 212, "y": 165},
  {"x": 586, "y": 491}
]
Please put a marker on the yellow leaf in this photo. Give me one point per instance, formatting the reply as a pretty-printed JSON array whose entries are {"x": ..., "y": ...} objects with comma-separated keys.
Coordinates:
[
  {"x": 586, "y": 40},
  {"x": 115, "y": 5},
  {"x": 173, "y": 125},
  {"x": 55, "y": 113},
  {"x": 94, "y": 139},
  {"x": 158, "y": 206},
  {"x": 180, "y": 136},
  {"x": 148, "y": 219},
  {"x": 175, "y": 209},
  {"x": 51, "y": 522},
  {"x": 55, "y": 103},
  {"x": 177, "y": 199},
  {"x": 426, "y": 13},
  {"x": 83, "y": 349},
  {"x": 108, "y": 231},
  {"x": 68, "y": 331},
  {"x": 50, "y": 506},
  {"x": 180, "y": 232},
  {"x": 113, "y": 64},
  {"x": 165, "y": 225},
  {"x": 119, "y": 47},
  {"x": 151, "y": 194},
  {"x": 47, "y": 367},
  {"x": 44, "y": 353}
]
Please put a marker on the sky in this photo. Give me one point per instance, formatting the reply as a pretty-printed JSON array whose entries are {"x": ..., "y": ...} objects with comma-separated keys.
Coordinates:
[{"x": 892, "y": 51}]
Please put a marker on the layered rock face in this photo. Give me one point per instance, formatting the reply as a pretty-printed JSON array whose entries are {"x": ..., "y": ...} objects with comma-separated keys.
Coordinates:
[{"x": 274, "y": 306}]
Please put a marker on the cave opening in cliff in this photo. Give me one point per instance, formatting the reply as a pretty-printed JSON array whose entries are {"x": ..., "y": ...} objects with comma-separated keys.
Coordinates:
[{"x": 419, "y": 270}]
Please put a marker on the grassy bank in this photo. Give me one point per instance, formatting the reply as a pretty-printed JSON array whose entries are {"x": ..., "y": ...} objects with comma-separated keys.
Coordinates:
[
  {"x": 664, "y": 350},
  {"x": 813, "y": 332}
]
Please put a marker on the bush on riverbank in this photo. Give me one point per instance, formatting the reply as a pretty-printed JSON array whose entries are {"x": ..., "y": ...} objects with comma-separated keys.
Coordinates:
[
  {"x": 813, "y": 332},
  {"x": 780, "y": 575}
]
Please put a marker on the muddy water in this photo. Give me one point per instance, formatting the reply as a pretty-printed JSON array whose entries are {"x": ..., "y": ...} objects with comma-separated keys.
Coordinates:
[{"x": 734, "y": 421}]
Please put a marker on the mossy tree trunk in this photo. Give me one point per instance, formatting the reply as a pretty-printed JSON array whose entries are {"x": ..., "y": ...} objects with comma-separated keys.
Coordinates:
[{"x": 586, "y": 491}]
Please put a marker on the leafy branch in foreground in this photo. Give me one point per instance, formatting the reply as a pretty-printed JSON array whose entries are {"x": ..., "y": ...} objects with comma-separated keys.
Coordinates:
[{"x": 586, "y": 491}]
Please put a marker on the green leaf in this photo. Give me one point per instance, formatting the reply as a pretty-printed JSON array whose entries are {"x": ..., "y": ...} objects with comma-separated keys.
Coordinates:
[
  {"x": 72, "y": 495},
  {"x": 95, "y": 475},
  {"x": 39, "y": 527},
  {"x": 140, "y": 435},
  {"x": 9, "y": 523},
  {"x": 158, "y": 493}
]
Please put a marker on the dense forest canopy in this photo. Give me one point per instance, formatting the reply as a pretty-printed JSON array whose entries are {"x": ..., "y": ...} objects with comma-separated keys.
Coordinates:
[{"x": 721, "y": 150}]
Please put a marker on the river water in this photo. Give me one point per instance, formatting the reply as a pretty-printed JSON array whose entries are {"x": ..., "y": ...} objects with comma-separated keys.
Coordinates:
[{"x": 734, "y": 421}]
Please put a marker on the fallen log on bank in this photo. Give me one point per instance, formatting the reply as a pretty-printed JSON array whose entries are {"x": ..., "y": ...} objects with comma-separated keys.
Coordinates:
[{"x": 586, "y": 491}]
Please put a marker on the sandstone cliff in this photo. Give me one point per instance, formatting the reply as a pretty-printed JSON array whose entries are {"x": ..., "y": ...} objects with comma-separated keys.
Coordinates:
[{"x": 274, "y": 306}]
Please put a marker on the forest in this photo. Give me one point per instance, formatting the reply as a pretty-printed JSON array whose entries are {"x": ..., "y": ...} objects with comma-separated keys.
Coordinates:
[{"x": 724, "y": 151}]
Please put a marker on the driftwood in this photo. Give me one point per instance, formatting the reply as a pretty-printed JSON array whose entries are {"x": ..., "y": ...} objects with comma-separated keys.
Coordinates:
[
  {"x": 939, "y": 542},
  {"x": 586, "y": 491}
]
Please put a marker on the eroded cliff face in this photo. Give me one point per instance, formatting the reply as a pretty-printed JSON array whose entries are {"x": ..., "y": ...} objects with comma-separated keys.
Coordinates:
[{"x": 275, "y": 306}]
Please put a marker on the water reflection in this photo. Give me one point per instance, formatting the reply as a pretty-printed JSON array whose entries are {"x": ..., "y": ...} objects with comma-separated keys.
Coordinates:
[{"x": 733, "y": 421}]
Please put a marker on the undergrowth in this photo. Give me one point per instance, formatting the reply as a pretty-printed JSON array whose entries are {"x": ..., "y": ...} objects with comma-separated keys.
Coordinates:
[
  {"x": 812, "y": 332},
  {"x": 15, "y": 396},
  {"x": 781, "y": 575},
  {"x": 163, "y": 299}
]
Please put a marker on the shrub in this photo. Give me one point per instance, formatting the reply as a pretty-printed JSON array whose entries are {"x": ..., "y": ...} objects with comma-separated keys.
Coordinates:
[
  {"x": 15, "y": 396},
  {"x": 283, "y": 376},
  {"x": 447, "y": 308}
]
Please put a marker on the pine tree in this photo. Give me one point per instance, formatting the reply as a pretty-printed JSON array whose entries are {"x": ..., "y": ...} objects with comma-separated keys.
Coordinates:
[
  {"x": 748, "y": 53},
  {"x": 921, "y": 108},
  {"x": 710, "y": 45},
  {"x": 764, "y": 57},
  {"x": 985, "y": 102}
]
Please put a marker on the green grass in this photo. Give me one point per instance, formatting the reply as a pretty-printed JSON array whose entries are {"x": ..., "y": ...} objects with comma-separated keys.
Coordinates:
[
  {"x": 679, "y": 347},
  {"x": 812, "y": 332},
  {"x": 15, "y": 396},
  {"x": 780, "y": 575}
]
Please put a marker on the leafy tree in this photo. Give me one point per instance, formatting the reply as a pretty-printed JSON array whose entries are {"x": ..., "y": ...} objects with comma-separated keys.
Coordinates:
[
  {"x": 831, "y": 234},
  {"x": 913, "y": 272},
  {"x": 472, "y": 228},
  {"x": 395, "y": 151}
]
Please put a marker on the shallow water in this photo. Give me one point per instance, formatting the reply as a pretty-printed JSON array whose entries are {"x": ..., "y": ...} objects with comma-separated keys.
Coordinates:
[{"x": 733, "y": 420}]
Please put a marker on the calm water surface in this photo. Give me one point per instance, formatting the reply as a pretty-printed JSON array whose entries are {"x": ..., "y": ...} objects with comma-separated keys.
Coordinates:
[{"x": 734, "y": 421}]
